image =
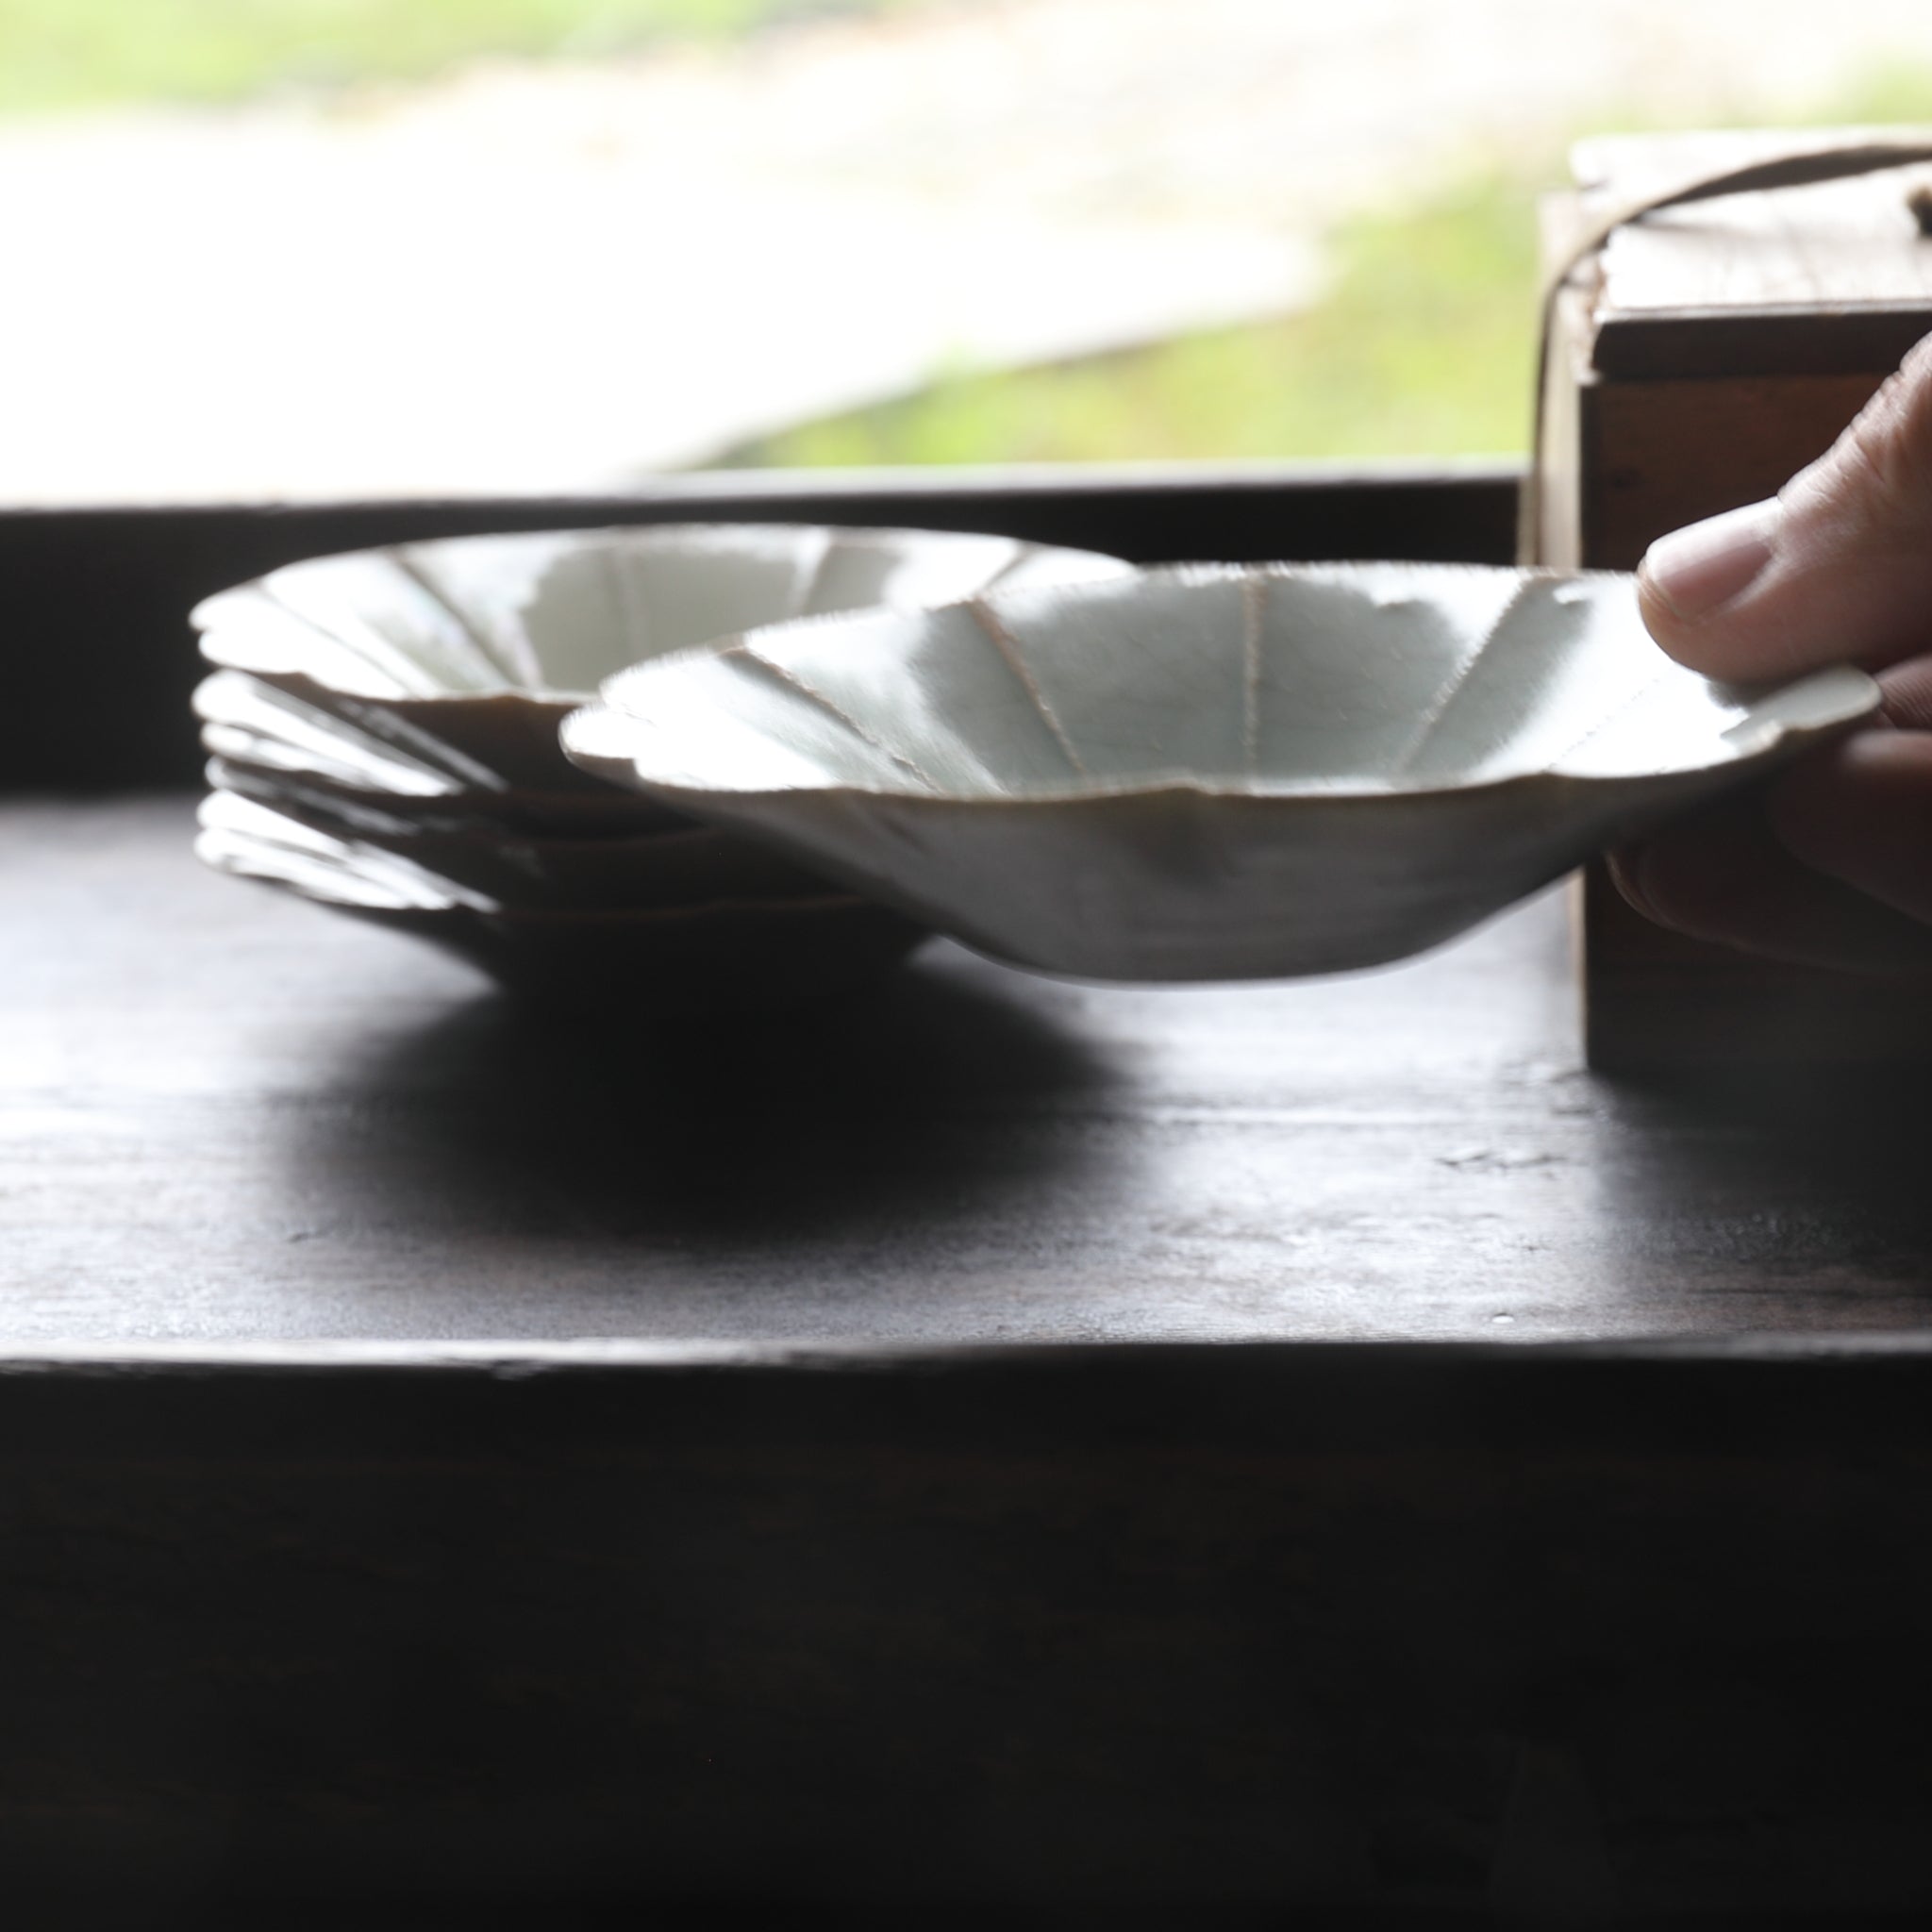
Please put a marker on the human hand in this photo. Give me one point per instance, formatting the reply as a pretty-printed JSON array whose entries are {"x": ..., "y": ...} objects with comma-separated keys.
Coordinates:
[{"x": 1831, "y": 863}]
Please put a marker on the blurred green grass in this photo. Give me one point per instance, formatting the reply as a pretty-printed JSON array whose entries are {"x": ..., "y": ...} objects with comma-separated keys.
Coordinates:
[
  {"x": 61, "y": 53},
  {"x": 1421, "y": 343},
  {"x": 1422, "y": 346}
]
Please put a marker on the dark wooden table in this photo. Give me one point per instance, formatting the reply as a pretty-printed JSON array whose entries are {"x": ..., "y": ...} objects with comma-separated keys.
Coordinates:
[
  {"x": 988, "y": 1446},
  {"x": 232, "y": 1117}
]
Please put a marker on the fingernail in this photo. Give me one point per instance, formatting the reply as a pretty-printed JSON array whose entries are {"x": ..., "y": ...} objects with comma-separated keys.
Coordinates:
[{"x": 1695, "y": 570}]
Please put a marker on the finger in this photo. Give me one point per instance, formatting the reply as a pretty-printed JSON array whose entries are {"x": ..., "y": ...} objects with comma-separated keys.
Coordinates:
[
  {"x": 1908, "y": 694},
  {"x": 1725, "y": 875},
  {"x": 1861, "y": 811},
  {"x": 1836, "y": 568}
]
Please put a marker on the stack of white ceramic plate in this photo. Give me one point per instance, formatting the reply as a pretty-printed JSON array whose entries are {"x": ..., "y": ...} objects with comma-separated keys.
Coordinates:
[{"x": 383, "y": 735}]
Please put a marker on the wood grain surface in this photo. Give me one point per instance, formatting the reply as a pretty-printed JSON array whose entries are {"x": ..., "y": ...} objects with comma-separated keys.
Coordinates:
[
  {"x": 229, "y": 1115},
  {"x": 1661, "y": 455},
  {"x": 1232, "y": 1636},
  {"x": 1833, "y": 279}
]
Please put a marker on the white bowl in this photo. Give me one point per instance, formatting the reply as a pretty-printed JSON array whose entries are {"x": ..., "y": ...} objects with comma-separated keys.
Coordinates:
[
  {"x": 468, "y": 652},
  {"x": 1208, "y": 773},
  {"x": 755, "y": 949},
  {"x": 688, "y": 864},
  {"x": 296, "y": 757},
  {"x": 347, "y": 811}
]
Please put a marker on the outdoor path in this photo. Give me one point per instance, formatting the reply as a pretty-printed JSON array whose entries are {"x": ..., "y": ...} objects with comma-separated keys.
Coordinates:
[{"x": 536, "y": 277}]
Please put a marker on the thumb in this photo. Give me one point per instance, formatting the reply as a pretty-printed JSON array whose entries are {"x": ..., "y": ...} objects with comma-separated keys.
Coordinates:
[{"x": 1835, "y": 569}]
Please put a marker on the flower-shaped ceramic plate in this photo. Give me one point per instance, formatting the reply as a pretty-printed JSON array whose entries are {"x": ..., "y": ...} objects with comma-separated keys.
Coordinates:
[
  {"x": 758, "y": 949},
  {"x": 465, "y": 653},
  {"x": 299, "y": 759},
  {"x": 688, "y": 864},
  {"x": 1209, "y": 772}
]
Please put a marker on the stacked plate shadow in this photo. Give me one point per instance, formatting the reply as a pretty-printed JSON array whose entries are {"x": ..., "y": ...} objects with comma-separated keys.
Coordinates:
[{"x": 383, "y": 736}]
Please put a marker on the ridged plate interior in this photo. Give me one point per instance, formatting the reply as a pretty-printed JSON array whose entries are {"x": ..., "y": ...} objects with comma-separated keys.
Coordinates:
[{"x": 468, "y": 652}]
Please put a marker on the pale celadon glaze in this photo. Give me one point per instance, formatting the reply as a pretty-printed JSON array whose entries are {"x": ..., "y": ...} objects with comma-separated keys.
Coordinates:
[
  {"x": 468, "y": 652},
  {"x": 1207, "y": 772},
  {"x": 383, "y": 728}
]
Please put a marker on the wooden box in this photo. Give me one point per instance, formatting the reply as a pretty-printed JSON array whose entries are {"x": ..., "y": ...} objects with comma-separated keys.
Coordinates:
[{"x": 1703, "y": 355}]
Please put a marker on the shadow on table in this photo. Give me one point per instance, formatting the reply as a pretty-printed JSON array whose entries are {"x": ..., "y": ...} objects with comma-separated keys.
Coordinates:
[
  {"x": 939, "y": 1093},
  {"x": 1800, "y": 1192}
]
